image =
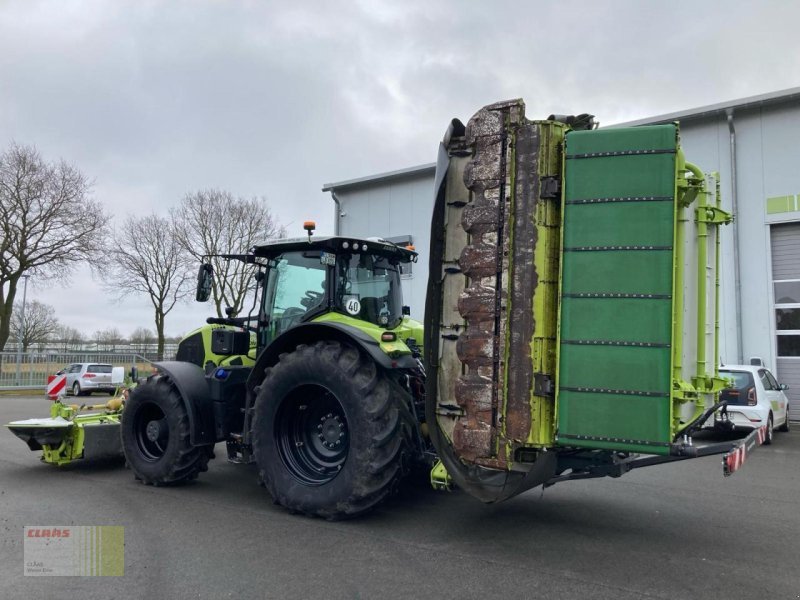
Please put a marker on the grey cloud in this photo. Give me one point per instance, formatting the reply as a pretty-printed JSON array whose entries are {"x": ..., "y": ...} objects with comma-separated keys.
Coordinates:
[{"x": 154, "y": 99}]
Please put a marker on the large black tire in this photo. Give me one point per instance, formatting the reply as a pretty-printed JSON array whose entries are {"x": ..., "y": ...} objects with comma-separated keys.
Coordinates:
[
  {"x": 155, "y": 436},
  {"x": 330, "y": 431}
]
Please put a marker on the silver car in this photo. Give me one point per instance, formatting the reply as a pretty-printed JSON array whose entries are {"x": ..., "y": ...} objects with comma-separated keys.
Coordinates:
[{"x": 85, "y": 378}]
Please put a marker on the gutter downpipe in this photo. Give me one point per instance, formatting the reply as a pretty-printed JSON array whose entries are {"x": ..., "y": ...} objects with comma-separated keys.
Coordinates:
[
  {"x": 338, "y": 209},
  {"x": 737, "y": 271}
]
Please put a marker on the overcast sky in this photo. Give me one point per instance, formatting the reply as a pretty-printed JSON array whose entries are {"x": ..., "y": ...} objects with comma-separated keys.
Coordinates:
[{"x": 156, "y": 99}]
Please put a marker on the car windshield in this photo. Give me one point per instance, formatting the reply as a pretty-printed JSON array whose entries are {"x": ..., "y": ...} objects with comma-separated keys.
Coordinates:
[
  {"x": 368, "y": 288},
  {"x": 99, "y": 369}
]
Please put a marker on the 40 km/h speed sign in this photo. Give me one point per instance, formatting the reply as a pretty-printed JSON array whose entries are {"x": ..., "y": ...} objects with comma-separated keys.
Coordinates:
[{"x": 352, "y": 305}]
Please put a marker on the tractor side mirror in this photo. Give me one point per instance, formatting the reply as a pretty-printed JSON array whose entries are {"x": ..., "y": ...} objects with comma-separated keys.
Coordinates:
[{"x": 205, "y": 280}]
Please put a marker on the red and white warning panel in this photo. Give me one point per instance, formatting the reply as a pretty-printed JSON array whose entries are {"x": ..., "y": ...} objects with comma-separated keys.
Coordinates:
[
  {"x": 734, "y": 459},
  {"x": 56, "y": 386}
]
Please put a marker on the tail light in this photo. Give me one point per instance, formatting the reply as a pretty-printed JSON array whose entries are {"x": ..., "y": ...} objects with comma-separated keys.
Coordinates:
[
  {"x": 751, "y": 397},
  {"x": 90, "y": 375}
]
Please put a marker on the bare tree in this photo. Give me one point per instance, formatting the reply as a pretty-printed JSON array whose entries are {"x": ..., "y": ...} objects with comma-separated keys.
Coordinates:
[
  {"x": 141, "y": 338},
  {"x": 37, "y": 326},
  {"x": 97, "y": 338},
  {"x": 147, "y": 259},
  {"x": 68, "y": 338},
  {"x": 48, "y": 221},
  {"x": 110, "y": 338},
  {"x": 107, "y": 340},
  {"x": 212, "y": 222}
]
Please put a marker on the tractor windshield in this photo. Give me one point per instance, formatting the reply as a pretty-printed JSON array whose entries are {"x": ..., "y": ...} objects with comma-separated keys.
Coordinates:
[{"x": 368, "y": 288}]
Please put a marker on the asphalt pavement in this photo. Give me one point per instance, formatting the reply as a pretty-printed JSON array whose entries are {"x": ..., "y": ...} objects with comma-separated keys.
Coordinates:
[{"x": 673, "y": 531}]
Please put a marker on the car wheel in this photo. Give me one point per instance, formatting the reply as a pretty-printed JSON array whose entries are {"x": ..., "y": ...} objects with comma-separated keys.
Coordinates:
[
  {"x": 770, "y": 432},
  {"x": 785, "y": 427},
  {"x": 76, "y": 389}
]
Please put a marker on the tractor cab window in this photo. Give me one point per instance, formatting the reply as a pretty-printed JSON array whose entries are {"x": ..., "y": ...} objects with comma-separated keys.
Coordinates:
[
  {"x": 368, "y": 288},
  {"x": 295, "y": 286}
]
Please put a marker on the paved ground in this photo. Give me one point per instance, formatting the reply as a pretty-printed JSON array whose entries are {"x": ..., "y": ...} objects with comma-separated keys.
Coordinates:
[{"x": 673, "y": 531}]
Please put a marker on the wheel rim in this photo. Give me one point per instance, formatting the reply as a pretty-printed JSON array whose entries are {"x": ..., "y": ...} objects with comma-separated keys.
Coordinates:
[
  {"x": 151, "y": 431},
  {"x": 76, "y": 389},
  {"x": 312, "y": 435}
]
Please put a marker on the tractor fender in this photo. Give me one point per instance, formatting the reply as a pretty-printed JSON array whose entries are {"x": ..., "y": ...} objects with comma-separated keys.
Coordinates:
[
  {"x": 196, "y": 396},
  {"x": 308, "y": 333}
]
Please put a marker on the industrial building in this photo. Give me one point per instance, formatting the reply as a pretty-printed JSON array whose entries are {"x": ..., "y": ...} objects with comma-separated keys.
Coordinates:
[{"x": 750, "y": 142}]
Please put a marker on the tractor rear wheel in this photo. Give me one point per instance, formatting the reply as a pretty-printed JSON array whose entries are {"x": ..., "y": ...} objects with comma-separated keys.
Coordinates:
[
  {"x": 155, "y": 436},
  {"x": 330, "y": 433}
]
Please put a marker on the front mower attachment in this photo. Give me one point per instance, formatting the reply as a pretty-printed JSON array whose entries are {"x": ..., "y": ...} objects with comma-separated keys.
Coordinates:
[
  {"x": 71, "y": 434},
  {"x": 41, "y": 432}
]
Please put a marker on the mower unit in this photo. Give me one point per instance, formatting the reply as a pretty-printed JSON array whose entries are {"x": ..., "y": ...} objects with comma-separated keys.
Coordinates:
[{"x": 71, "y": 434}]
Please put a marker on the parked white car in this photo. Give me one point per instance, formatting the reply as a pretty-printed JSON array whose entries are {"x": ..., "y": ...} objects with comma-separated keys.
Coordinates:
[{"x": 754, "y": 399}]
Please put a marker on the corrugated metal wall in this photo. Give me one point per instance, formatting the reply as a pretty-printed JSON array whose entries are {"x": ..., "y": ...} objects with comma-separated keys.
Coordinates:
[{"x": 393, "y": 209}]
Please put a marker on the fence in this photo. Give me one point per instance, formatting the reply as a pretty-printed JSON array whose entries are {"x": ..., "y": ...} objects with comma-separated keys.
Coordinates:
[{"x": 30, "y": 370}]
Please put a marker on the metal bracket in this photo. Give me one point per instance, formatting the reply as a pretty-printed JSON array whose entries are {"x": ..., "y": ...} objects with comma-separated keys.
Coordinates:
[
  {"x": 712, "y": 215},
  {"x": 550, "y": 188},
  {"x": 542, "y": 385},
  {"x": 683, "y": 391},
  {"x": 709, "y": 385},
  {"x": 440, "y": 478}
]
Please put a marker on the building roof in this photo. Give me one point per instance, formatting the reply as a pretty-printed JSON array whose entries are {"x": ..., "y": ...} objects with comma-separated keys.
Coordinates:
[
  {"x": 721, "y": 108},
  {"x": 416, "y": 171}
]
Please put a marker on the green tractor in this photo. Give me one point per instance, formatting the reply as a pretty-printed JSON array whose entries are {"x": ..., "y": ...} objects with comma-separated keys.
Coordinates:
[{"x": 330, "y": 409}]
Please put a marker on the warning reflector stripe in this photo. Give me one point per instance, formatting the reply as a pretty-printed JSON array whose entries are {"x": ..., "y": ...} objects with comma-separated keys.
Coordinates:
[
  {"x": 56, "y": 386},
  {"x": 733, "y": 460}
]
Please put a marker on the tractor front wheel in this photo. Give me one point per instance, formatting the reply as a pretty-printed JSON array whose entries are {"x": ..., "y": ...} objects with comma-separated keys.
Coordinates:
[
  {"x": 330, "y": 433},
  {"x": 155, "y": 436}
]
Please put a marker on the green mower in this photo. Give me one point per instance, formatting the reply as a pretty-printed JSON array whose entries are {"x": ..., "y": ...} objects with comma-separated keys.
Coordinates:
[{"x": 74, "y": 432}]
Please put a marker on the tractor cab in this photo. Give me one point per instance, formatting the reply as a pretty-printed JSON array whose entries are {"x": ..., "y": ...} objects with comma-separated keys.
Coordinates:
[
  {"x": 345, "y": 280},
  {"x": 353, "y": 279}
]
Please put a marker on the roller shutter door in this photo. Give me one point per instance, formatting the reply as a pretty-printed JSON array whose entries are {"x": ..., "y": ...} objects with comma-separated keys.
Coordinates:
[{"x": 785, "y": 242}]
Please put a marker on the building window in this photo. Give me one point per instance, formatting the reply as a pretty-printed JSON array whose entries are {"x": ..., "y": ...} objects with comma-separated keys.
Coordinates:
[{"x": 787, "y": 317}]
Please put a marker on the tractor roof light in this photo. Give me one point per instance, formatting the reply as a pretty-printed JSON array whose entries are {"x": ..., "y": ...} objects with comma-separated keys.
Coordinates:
[{"x": 309, "y": 226}]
